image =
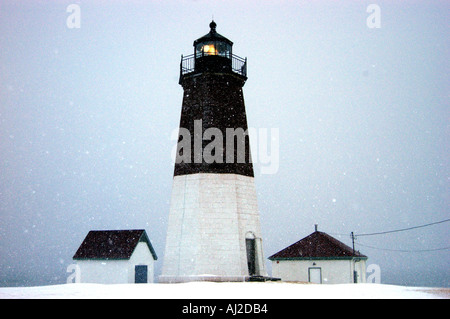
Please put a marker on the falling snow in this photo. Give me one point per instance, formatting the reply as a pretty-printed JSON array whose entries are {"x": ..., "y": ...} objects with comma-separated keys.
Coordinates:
[{"x": 86, "y": 116}]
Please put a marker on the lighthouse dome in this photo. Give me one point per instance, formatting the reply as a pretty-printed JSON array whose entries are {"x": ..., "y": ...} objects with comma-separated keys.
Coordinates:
[{"x": 213, "y": 43}]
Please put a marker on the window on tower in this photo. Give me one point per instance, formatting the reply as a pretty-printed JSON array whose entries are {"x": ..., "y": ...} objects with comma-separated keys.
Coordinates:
[{"x": 213, "y": 48}]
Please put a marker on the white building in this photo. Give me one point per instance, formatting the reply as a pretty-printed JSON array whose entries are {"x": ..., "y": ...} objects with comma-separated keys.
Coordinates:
[
  {"x": 116, "y": 257},
  {"x": 319, "y": 258}
]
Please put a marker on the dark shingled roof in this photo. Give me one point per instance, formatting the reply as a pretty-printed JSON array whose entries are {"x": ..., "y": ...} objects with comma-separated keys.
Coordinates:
[
  {"x": 212, "y": 36},
  {"x": 112, "y": 244},
  {"x": 315, "y": 246}
]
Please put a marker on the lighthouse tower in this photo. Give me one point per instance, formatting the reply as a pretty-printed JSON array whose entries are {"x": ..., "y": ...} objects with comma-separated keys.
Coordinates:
[{"x": 214, "y": 230}]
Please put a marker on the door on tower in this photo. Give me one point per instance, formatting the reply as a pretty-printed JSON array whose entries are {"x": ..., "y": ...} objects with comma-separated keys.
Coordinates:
[{"x": 251, "y": 256}]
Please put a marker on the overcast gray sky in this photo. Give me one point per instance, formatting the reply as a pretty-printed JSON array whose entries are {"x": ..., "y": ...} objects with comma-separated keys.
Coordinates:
[{"x": 86, "y": 117}]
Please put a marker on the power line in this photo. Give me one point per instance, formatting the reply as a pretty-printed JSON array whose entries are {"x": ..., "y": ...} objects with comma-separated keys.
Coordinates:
[
  {"x": 403, "y": 229},
  {"x": 354, "y": 236},
  {"x": 406, "y": 251}
]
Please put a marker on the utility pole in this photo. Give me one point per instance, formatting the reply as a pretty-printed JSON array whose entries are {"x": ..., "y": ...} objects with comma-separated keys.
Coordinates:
[
  {"x": 353, "y": 242},
  {"x": 355, "y": 274}
]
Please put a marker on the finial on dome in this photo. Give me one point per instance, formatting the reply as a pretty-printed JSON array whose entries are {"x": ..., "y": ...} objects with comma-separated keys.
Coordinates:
[{"x": 213, "y": 26}]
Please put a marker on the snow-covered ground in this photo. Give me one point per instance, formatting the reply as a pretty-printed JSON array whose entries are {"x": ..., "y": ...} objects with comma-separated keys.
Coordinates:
[{"x": 209, "y": 290}]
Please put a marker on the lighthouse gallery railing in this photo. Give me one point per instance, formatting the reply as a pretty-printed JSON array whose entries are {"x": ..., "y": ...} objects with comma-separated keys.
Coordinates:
[{"x": 238, "y": 65}]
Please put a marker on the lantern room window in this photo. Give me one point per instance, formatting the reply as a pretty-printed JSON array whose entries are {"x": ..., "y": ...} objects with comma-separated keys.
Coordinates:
[{"x": 213, "y": 48}]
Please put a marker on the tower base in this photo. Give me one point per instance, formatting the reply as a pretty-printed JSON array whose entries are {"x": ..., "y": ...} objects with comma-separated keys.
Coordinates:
[
  {"x": 212, "y": 278},
  {"x": 196, "y": 278},
  {"x": 214, "y": 231}
]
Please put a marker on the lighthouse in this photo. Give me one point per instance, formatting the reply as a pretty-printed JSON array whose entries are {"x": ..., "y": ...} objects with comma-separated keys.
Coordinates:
[{"x": 214, "y": 231}]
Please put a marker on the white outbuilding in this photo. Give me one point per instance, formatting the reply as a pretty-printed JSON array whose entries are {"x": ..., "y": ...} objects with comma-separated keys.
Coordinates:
[
  {"x": 116, "y": 257},
  {"x": 321, "y": 259}
]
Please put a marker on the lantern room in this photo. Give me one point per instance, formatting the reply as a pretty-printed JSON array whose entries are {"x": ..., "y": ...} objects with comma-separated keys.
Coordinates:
[
  {"x": 213, "y": 53},
  {"x": 213, "y": 44}
]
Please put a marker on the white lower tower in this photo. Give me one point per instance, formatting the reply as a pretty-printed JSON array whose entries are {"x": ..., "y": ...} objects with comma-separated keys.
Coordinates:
[{"x": 214, "y": 231}]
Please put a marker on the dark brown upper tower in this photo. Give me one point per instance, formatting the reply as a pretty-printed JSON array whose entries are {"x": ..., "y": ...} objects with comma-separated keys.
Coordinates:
[{"x": 212, "y": 79}]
